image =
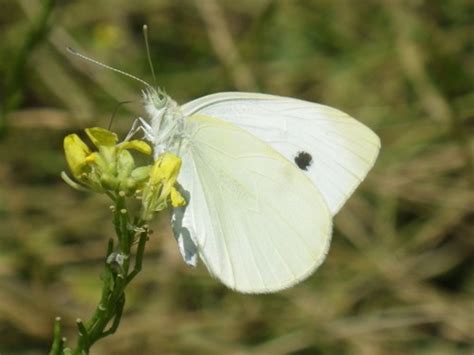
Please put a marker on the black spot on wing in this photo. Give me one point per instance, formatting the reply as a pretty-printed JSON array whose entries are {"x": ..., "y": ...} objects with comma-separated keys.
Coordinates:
[{"x": 303, "y": 160}]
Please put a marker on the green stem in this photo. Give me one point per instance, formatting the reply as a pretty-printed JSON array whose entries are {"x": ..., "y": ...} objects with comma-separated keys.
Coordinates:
[
  {"x": 115, "y": 278},
  {"x": 107, "y": 279},
  {"x": 117, "y": 318},
  {"x": 57, "y": 347},
  {"x": 139, "y": 258},
  {"x": 83, "y": 339}
]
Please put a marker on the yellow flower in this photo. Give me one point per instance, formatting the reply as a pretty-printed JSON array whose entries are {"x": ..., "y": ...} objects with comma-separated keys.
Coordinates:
[
  {"x": 177, "y": 200},
  {"x": 166, "y": 168},
  {"x": 160, "y": 189},
  {"x": 76, "y": 152},
  {"x": 101, "y": 136},
  {"x": 112, "y": 169},
  {"x": 138, "y": 145}
]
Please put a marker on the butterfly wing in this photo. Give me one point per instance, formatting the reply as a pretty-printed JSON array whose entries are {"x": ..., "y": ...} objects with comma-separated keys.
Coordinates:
[
  {"x": 257, "y": 221},
  {"x": 337, "y": 150}
]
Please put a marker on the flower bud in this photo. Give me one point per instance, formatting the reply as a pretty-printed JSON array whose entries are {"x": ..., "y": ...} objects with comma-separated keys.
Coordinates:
[{"x": 76, "y": 152}]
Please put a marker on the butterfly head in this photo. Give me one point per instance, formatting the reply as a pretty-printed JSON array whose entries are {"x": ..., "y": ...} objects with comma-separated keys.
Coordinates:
[
  {"x": 166, "y": 120},
  {"x": 155, "y": 102}
]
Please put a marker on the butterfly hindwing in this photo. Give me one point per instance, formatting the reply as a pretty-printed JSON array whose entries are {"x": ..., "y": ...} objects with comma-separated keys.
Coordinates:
[{"x": 258, "y": 222}]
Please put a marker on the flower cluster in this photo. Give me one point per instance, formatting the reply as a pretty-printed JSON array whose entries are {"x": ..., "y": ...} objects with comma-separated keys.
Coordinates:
[{"x": 111, "y": 169}]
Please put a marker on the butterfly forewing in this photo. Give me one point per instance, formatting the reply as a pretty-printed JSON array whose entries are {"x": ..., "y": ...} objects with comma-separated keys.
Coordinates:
[{"x": 339, "y": 150}]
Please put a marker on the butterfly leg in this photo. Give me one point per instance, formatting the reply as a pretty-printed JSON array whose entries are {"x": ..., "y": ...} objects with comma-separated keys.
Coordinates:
[
  {"x": 133, "y": 130},
  {"x": 138, "y": 125}
]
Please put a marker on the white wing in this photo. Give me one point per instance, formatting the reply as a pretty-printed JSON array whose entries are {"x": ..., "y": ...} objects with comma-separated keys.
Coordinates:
[
  {"x": 342, "y": 149},
  {"x": 258, "y": 222}
]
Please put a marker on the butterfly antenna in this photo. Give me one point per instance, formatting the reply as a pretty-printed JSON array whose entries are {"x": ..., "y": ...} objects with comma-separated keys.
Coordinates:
[
  {"x": 82, "y": 56},
  {"x": 119, "y": 104},
  {"x": 147, "y": 46}
]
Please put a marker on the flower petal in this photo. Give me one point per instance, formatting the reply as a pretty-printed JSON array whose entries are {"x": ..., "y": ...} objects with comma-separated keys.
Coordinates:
[
  {"x": 138, "y": 145},
  {"x": 177, "y": 200},
  {"x": 76, "y": 152},
  {"x": 101, "y": 136},
  {"x": 166, "y": 168}
]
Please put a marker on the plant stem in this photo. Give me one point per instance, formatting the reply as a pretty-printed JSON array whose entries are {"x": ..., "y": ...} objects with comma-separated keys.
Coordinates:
[
  {"x": 115, "y": 278},
  {"x": 57, "y": 347}
]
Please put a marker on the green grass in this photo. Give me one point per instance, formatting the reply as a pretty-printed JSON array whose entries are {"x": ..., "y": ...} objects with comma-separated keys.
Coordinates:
[{"x": 399, "y": 278}]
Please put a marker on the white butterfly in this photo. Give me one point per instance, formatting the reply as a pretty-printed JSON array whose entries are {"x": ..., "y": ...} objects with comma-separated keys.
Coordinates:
[{"x": 263, "y": 176}]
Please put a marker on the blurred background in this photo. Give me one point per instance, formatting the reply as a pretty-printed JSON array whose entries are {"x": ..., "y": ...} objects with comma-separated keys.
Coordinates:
[{"x": 399, "y": 278}]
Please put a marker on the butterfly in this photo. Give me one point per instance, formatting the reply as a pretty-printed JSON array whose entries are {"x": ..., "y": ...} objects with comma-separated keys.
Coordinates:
[{"x": 263, "y": 177}]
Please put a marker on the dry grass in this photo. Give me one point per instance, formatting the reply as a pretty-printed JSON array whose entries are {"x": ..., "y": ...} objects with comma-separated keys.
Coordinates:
[{"x": 399, "y": 278}]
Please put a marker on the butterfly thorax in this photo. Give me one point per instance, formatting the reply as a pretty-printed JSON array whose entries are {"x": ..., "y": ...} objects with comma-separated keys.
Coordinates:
[{"x": 167, "y": 122}]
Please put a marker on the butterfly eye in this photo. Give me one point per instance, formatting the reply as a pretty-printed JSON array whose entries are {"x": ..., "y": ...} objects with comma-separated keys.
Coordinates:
[
  {"x": 303, "y": 160},
  {"x": 160, "y": 99}
]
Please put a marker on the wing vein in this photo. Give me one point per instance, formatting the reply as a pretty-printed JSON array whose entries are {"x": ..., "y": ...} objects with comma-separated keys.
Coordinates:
[{"x": 219, "y": 223}]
